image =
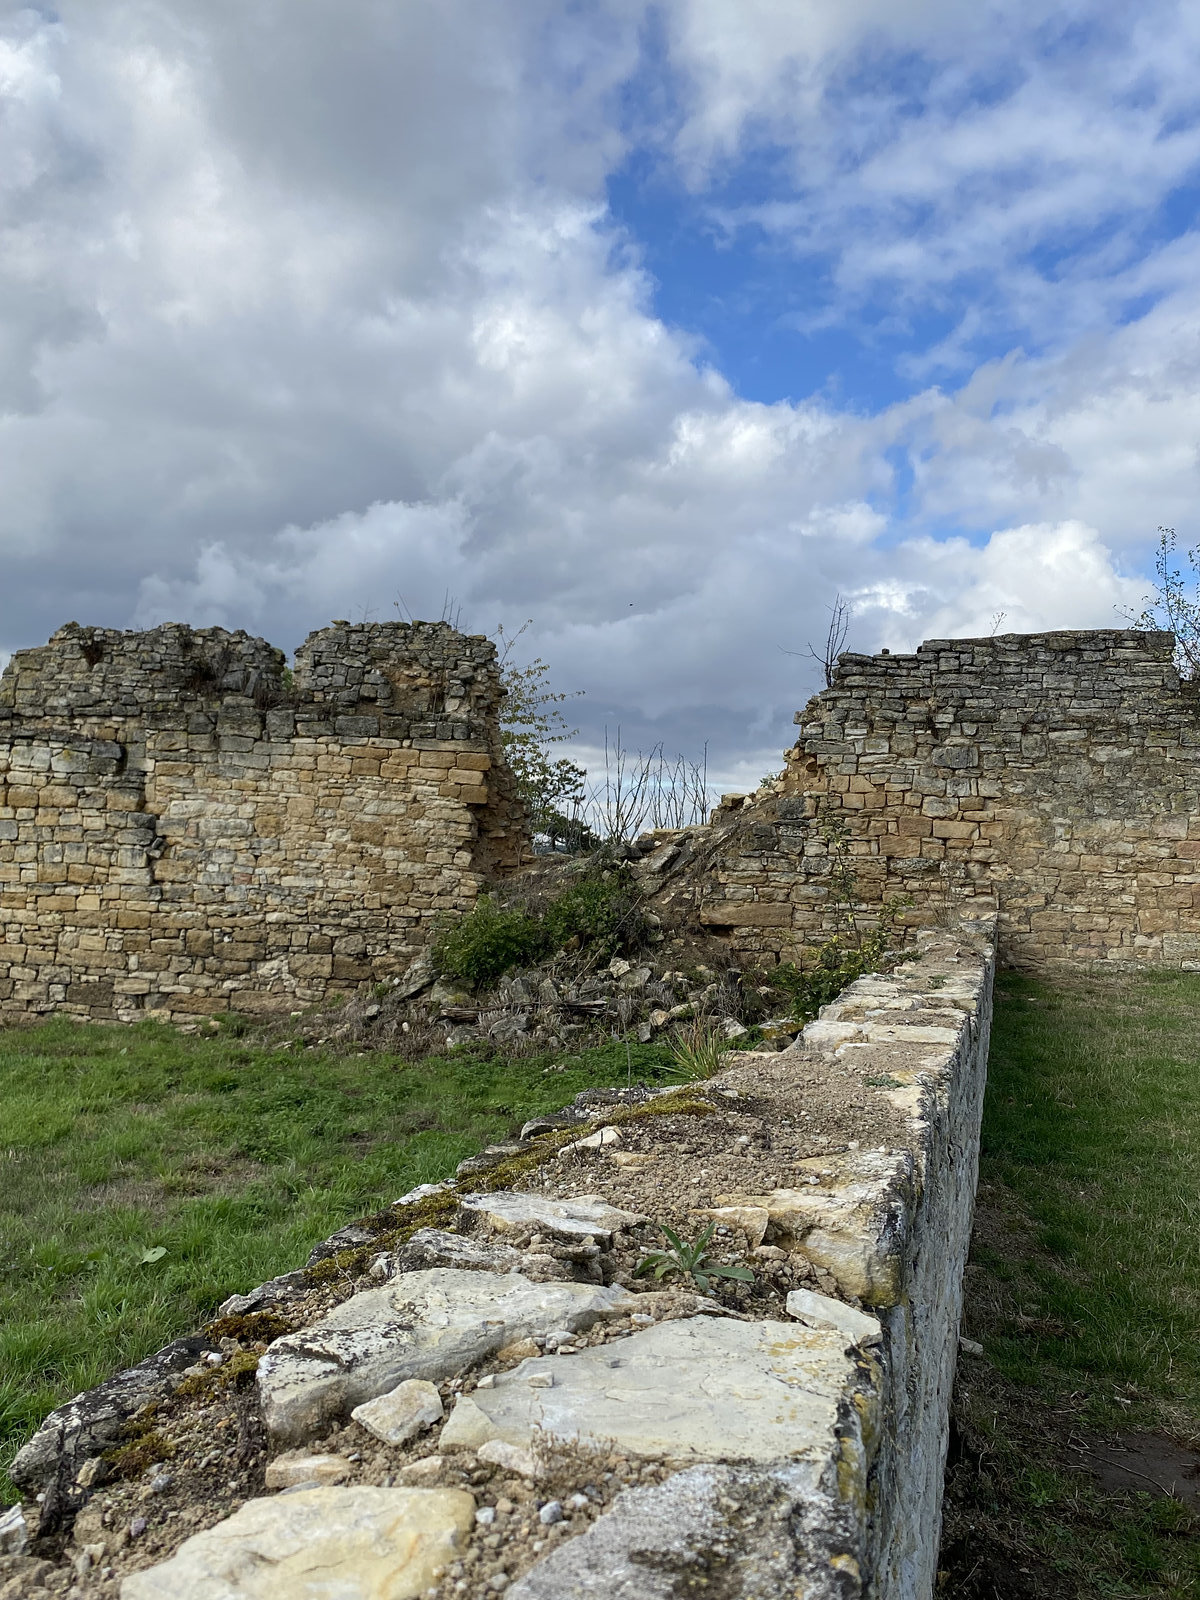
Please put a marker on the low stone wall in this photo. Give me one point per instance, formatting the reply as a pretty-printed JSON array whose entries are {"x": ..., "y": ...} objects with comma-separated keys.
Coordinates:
[
  {"x": 186, "y": 829},
  {"x": 477, "y": 1393}
]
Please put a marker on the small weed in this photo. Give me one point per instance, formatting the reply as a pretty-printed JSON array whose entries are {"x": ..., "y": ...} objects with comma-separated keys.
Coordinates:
[
  {"x": 689, "y": 1259},
  {"x": 697, "y": 1052},
  {"x": 886, "y": 1082}
]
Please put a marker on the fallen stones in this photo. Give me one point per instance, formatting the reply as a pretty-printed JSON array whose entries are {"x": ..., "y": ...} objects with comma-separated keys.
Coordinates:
[
  {"x": 581, "y": 1217},
  {"x": 687, "y": 1391},
  {"x": 819, "y": 1311},
  {"x": 352, "y": 1544},
  {"x": 402, "y": 1413},
  {"x": 423, "y": 1325},
  {"x": 300, "y": 1466}
]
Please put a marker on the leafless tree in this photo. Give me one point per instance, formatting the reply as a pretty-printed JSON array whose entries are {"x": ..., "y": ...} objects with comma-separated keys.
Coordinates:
[{"x": 835, "y": 640}]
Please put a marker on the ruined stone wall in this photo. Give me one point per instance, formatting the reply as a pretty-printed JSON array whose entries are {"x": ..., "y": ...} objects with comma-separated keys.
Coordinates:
[
  {"x": 186, "y": 828},
  {"x": 1056, "y": 774}
]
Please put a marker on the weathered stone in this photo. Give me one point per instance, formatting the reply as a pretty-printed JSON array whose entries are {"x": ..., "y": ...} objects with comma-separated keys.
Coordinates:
[
  {"x": 402, "y": 1413},
  {"x": 851, "y": 1221},
  {"x": 711, "y": 1529},
  {"x": 581, "y": 1217},
  {"x": 92, "y": 1421},
  {"x": 301, "y": 1466},
  {"x": 434, "y": 1247},
  {"x": 352, "y": 1544},
  {"x": 698, "y": 1390},
  {"x": 819, "y": 1311},
  {"x": 602, "y": 1139},
  {"x": 14, "y": 1536},
  {"x": 751, "y": 1220},
  {"x": 421, "y": 1325}
]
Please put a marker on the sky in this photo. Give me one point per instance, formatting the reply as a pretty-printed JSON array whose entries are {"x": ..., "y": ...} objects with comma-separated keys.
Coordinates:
[{"x": 659, "y": 324}]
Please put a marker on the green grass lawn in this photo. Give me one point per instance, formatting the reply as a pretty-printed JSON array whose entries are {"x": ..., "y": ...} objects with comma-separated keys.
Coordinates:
[
  {"x": 1084, "y": 1290},
  {"x": 148, "y": 1174}
]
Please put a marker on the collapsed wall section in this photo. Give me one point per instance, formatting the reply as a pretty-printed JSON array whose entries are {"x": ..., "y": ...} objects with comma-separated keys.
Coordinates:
[
  {"x": 1054, "y": 775},
  {"x": 185, "y": 827}
]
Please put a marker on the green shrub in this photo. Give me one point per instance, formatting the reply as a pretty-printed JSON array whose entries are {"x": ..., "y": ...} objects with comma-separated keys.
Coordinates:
[
  {"x": 838, "y": 963},
  {"x": 488, "y": 942},
  {"x": 601, "y": 910}
]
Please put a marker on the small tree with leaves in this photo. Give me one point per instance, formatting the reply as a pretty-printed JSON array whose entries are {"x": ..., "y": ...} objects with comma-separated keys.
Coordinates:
[
  {"x": 1170, "y": 607},
  {"x": 531, "y": 724}
]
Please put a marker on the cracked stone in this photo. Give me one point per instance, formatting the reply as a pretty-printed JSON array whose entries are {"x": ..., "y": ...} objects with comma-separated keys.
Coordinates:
[{"x": 422, "y": 1325}]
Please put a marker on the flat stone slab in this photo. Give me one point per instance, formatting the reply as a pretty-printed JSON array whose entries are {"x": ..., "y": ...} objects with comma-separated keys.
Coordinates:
[
  {"x": 820, "y": 1311},
  {"x": 852, "y": 1219},
  {"x": 687, "y": 1391},
  {"x": 754, "y": 1534},
  {"x": 421, "y": 1325},
  {"x": 581, "y": 1217},
  {"x": 318, "y": 1544}
]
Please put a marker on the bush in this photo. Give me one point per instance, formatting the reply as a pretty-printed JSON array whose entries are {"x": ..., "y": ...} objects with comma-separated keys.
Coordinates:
[
  {"x": 837, "y": 965},
  {"x": 601, "y": 910},
  {"x": 488, "y": 942}
]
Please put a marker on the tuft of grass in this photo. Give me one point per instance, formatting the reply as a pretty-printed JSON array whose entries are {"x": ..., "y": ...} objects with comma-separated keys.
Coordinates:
[
  {"x": 698, "y": 1051},
  {"x": 231, "y": 1158},
  {"x": 1084, "y": 1288}
]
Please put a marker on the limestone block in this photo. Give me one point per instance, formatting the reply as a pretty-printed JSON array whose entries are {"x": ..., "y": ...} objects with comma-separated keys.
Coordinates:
[
  {"x": 402, "y": 1413},
  {"x": 422, "y": 1325},
  {"x": 352, "y": 1544},
  {"x": 852, "y": 1221},
  {"x": 681, "y": 1392},
  {"x": 819, "y": 1311},
  {"x": 582, "y": 1216},
  {"x": 301, "y": 1466}
]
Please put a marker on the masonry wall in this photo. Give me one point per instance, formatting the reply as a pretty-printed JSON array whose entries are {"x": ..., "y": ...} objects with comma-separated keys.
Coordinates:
[
  {"x": 184, "y": 827},
  {"x": 1055, "y": 774}
]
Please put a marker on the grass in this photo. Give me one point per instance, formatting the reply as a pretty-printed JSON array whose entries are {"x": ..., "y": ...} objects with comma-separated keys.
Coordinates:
[
  {"x": 1084, "y": 1289},
  {"x": 148, "y": 1174}
]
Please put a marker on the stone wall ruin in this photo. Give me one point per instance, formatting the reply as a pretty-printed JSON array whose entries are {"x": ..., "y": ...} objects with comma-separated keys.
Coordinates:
[
  {"x": 1055, "y": 776},
  {"x": 186, "y": 827}
]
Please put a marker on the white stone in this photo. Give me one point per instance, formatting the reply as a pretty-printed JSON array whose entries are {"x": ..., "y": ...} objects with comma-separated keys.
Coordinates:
[
  {"x": 14, "y": 1535},
  {"x": 600, "y": 1140},
  {"x": 580, "y": 1217},
  {"x": 402, "y": 1413},
  {"x": 819, "y": 1311},
  {"x": 751, "y": 1220},
  {"x": 766, "y": 1533},
  {"x": 695, "y": 1390},
  {"x": 303, "y": 1466},
  {"x": 420, "y": 1325},
  {"x": 320, "y": 1544},
  {"x": 512, "y": 1457}
]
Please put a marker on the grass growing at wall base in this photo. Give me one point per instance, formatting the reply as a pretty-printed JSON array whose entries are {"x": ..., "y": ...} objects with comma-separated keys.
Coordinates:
[
  {"x": 1084, "y": 1289},
  {"x": 147, "y": 1175}
]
